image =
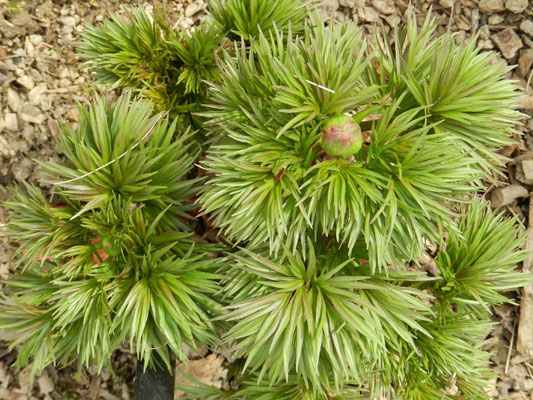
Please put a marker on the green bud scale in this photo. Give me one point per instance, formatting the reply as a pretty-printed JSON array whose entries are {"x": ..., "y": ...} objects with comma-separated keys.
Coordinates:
[{"x": 341, "y": 136}]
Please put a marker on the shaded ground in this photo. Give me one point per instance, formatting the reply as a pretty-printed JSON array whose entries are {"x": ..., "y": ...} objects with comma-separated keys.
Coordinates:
[{"x": 40, "y": 82}]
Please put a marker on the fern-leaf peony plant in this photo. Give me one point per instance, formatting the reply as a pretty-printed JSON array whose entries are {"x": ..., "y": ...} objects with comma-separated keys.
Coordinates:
[
  {"x": 111, "y": 260},
  {"x": 332, "y": 162}
]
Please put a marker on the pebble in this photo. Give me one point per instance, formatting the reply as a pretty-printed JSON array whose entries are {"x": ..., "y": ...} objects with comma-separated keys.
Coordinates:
[
  {"x": 384, "y": 6},
  {"x": 491, "y": 6},
  {"x": 193, "y": 9},
  {"x": 6, "y": 151},
  {"x": 524, "y": 172},
  {"x": 495, "y": 19},
  {"x": 73, "y": 114},
  {"x": 53, "y": 127},
  {"x": 11, "y": 122},
  {"x": 462, "y": 24},
  {"x": 45, "y": 383},
  {"x": 525, "y": 61},
  {"x": 63, "y": 72},
  {"x": 368, "y": 14},
  {"x": 36, "y": 40},
  {"x": 26, "y": 81},
  {"x": 506, "y": 195},
  {"x": 22, "y": 170},
  {"x": 474, "y": 20},
  {"x": 69, "y": 21},
  {"x": 516, "y": 6},
  {"x": 37, "y": 93},
  {"x": 508, "y": 42},
  {"x": 485, "y": 44},
  {"x": 32, "y": 114},
  {"x": 526, "y": 103},
  {"x": 14, "y": 101},
  {"x": 352, "y": 3},
  {"x": 29, "y": 48},
  {"x": 526, "y": 26},
  {"x": 328, "y": 7},
  {"x": 460, "y": 37},
  {"x": 393, "y": 20},
  {"x": 484, "y": 32}
]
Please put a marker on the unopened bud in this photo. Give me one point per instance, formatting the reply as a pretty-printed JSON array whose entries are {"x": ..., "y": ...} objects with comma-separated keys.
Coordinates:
[{"x": 341, "y": 136}]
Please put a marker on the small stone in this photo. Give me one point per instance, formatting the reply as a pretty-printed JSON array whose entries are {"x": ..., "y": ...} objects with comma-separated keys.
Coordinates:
[
  {"x": 526, "y": 103},
  {"x": 491, "y": 6},
  {"x": 29, "y": 48},
  {"x": 45, "y": 383},
  {"x": 508, "y": 42},
  {"x": 68, "y": 21},
  {"x": 393, "y": 20},
  {"x": 529, "y": 43},
  {"x": 32, "y": 114},
  {"x": 37, "y": 93},
  {"x": 340, "y": 17},
  {"x": 63, "y": 72},
  {"x": 25, "y": 382},
  {"x": 73, "y": 114},
  {"x": 484, "y": 32},
  {"x": 524, "y": 172},
  {"x": 446, "y": 3},
  {"x": 45, "y": 103},
  {"x": 462, "y": 24},
  {"x": 11, "y": 122},
  {"x": 526, "y": 26},
  {"x": 36, "y": 40},
  {"x": 186, "y": 23},
  {"x": 506, "y": 195},
  {"x": 516, "y": 6},
  {"x": 368, "y": 14},
  {"x": 208, "y": 370},
  {"x": 13, "y": 100},
  {"x": 495, "y": 19},
  {"x": 474, "y": 20},
  {"x": 26, "y": 81},
  {"x": 53, "y": 127},
  {"x": 460, "y": 37},
  {"x": 525, "y": 60},
  {"x": 384, "y": 6},
  {"x": 5, "y": 151},
  {"x": 352, "y": 3},
  {"x": 328, "y": 7},
  {"x": 485, "y": 44},
  {"x": 193, "y": 9}
]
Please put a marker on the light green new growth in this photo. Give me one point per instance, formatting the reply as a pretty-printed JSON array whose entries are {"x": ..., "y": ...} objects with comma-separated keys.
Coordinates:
[{"x": 114, "y": 261}]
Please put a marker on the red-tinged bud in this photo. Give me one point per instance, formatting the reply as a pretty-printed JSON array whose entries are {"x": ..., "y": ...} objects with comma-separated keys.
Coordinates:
[{"x": 341, "y": 136}]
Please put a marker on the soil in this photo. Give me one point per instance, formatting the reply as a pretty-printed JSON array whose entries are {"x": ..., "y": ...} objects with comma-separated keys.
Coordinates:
[{"x": 40, "y": 83}]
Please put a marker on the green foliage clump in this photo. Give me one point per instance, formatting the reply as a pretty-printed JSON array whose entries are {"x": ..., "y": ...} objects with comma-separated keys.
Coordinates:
[
  {"x": 143, "y": 53},
  {"x": 246, "y": 18},
  {"x": 113, "y": 261},
  {"x": 319, "y": 293},
  {"x": 271, "y": 181}
]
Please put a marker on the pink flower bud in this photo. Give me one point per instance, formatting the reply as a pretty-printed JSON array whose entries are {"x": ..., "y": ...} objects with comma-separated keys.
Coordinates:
[{"x": 341, "y": 136}]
